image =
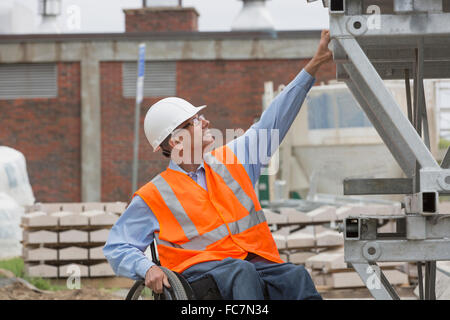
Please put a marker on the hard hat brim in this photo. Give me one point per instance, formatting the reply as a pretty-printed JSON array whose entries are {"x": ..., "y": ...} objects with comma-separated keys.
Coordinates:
[{"x": 197, "y": 110}]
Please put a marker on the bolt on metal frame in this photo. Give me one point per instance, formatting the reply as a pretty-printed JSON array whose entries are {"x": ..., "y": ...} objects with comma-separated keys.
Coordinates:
[{"x": 412, "y": 40}]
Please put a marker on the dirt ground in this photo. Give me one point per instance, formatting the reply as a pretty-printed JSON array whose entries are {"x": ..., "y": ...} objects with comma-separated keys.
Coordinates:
[{"x": 17, "y": 291}]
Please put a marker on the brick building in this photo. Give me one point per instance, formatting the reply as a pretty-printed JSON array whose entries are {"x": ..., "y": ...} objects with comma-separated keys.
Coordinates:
[{"x": 67, "y": 101}]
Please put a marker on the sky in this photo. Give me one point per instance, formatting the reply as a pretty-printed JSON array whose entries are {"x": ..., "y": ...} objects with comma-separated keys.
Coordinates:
[{"x": 81, "y": 16}]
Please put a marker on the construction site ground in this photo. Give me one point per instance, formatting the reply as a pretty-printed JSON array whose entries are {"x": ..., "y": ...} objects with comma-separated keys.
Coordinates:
[{"x": 115, "y": 288}]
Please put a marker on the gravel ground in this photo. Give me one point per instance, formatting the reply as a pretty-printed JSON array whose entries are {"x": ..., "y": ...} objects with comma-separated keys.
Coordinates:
[{"x": 13, "y": 290}]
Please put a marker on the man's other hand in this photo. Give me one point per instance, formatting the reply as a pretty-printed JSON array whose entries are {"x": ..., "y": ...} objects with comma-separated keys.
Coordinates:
[
  {"x": 322, "y": 55},
  {"x": 155, "y": 278}
]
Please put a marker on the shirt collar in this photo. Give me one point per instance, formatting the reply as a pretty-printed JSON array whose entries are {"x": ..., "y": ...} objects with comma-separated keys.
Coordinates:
[{"x": 176, "y": 167}]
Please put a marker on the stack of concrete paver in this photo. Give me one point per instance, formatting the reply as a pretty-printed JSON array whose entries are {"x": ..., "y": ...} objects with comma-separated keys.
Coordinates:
[
  {"x": 328, "y": 269},
  {"x": 310, "y": 240},
  {"x": 64, "y": 239},
  {"x": 298, "y": 245}
]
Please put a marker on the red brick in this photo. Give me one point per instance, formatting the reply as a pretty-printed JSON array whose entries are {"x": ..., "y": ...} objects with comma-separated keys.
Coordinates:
[{"x": 157, "y": 19}]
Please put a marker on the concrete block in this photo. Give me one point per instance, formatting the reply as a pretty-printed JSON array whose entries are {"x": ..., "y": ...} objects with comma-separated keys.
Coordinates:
[
  {"x": 41, "y": 236},
  {"x": 444, "y": 266},
  {"x": 393, "y": 265},
  {"x": 99, "y": 217},
  {"x": 39, "y": 219},
  {"x": 410, "y": 268},
  {"x": 318, "y": 278},
  {"x": 319, "y": 229},
  {"x": 96, "y": 253},
  {"x": 101, "y": 270},
  {"x": 307, "y": 229},
  {"x": 73, "y": 253},
  {"x": 300, "y": 240},
  {"x": 99, "y": 235},
  {"x": 295, "y": 216},
  {"x": 39, "y": 254},
  {"x": 372, "y": 209},
  {"x": 115, "y": 207},
  {"x": 88, "y": 206},
  {"x": 329, "y": 238},
  {"x": 444, "y": 207},
  {"x": 352, "y": 279},
  {"x": 387, "y": 228},
  {"x": 41, "y": 270},
  {"x": 75, "y": 207},
  {"x": 326, "y": 261},
  {"x": 274, "y": 218},
  {"x": 67, "y": 218},
  {"x": 73, "y": 236},
  {"x": 50, "y": 207},
  {"x": 343, "y": 212},
  {"x": 73, "y": 269},
  {"x": 385, "y": 210},
  {"x": 284, "y": 231},
  {"x": 323, "y": 214},
  {"x": 280, "y": 240},
  {"x": 300, "y": 257},
  {"x": 284, "y": 257}
]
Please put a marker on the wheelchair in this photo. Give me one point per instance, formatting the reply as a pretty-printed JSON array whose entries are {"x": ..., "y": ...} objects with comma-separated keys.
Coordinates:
[{"x": 180, "y": 289}]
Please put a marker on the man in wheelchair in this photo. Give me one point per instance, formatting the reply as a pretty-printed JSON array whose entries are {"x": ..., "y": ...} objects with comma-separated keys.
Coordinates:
[{"x": 203, "y": 211}]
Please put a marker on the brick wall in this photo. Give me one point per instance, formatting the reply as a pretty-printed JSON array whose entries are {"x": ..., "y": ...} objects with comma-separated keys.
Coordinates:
[
  {"x": 231, "y": 89},
  {"x": 161, "y": 19},
  {"x": 47, "y": 132}
]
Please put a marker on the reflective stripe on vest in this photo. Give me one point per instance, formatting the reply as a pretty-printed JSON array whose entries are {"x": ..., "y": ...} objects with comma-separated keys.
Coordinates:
[
  {"x": 202, "y": 241},
  {"x": 254, "y": 217},
  {"x": 175, "y": 207}
]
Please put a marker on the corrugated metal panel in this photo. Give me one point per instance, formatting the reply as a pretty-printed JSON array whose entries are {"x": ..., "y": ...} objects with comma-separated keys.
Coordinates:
[
  {"x": 30, "y": 80},
  {"x": 159, "y": 80}
]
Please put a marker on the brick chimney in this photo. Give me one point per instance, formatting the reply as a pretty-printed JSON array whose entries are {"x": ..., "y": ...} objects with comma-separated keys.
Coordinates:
[{"x": 157, "y": 19}]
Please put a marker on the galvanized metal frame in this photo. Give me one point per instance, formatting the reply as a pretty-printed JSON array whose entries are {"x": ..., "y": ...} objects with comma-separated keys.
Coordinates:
[{"x": 414, "y": 40}]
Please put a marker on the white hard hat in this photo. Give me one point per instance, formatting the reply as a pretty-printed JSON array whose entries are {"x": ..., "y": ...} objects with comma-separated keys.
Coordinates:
[{"x": 164, "y": 116}]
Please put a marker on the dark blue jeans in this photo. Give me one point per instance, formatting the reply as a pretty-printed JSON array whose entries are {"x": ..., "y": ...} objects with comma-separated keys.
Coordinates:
[{"x": 256, "y": 279}]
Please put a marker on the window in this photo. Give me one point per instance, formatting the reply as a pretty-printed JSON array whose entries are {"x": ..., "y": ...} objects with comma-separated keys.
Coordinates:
[
  {"x": 159, "y": 79},
  {"x": 28, "y": 80},
  {"x": 335, "y": 109}
]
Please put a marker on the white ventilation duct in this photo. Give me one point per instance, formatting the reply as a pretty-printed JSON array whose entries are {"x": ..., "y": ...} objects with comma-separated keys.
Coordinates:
[
  {"x": 254, "y": 16},
  {"x": 49, "y": 10}
]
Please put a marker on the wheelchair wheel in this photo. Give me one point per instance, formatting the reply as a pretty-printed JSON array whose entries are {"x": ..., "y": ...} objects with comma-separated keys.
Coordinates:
[{"x": 175, "y": 292}]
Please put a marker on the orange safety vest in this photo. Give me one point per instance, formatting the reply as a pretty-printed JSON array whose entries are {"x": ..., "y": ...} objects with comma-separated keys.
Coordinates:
[{"x": 198, "y": 225}]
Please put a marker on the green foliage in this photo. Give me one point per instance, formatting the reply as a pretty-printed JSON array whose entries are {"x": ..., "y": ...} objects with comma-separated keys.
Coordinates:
[
  {"x": 444, "y": 143},
  {"x": 16, "y": 266}
]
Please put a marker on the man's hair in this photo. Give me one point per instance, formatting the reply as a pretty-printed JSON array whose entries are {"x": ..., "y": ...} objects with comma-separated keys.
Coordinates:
[{"x": 165, "y": 147}]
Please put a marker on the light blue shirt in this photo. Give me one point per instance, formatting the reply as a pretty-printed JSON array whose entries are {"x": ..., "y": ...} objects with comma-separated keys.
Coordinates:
[{"x": 133, "y": 232}]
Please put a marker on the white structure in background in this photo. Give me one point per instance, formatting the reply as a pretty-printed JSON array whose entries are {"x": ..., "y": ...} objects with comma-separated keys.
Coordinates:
[
  {"x": 15, "y": 194},
  {"x": 254, "y": 16},
  {"x": 160, "y": 3},
  {"x": 332, "y": 139},
  {"x": 10, "y": 230},
  {"x": 37, "y": 16},
  {"x": 443, "y": 106},
  {"x": 16, "y": 18},
  {"x": 49, "y": 10}
]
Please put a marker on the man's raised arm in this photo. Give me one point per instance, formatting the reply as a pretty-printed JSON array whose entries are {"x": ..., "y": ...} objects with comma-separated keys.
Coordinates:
[{"x": 262, "y": 139}]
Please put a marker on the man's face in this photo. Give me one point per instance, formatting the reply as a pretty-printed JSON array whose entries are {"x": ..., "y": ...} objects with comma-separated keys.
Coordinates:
[{"x": 193, "y": 134}]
